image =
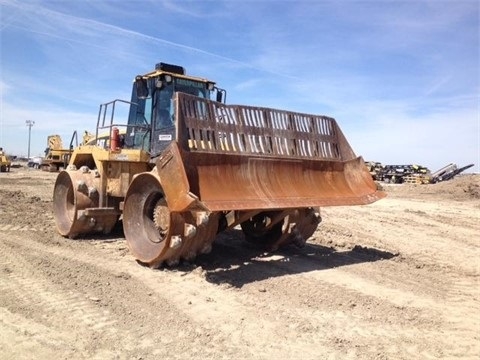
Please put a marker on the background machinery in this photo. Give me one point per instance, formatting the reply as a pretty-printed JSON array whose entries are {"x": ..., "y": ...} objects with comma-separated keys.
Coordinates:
[
  {"x": 448, "y": 172},
  {"x": 398, "y": 174},
  {"x": 55, "y": 155},
  {"x": 412, "y": 174},
  {"x": 184, "y": 168},
  {"x": 5, "y": 162}
]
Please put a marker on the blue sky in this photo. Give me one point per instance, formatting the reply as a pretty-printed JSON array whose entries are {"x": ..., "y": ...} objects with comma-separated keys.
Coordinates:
[{"x": 401, "y": 77}]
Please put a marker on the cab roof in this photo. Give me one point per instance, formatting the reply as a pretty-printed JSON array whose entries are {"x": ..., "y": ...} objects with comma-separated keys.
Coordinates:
[{"x": 175, "y": 71}]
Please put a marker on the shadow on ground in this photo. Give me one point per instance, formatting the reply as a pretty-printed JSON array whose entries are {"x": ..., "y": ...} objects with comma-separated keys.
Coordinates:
[{"x": 236, "y": 262}]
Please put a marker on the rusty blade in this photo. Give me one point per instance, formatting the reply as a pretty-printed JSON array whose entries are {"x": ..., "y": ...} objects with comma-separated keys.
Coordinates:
[
  {"x": 225, "y": 182},
  {"x": 234, "y": 157}
]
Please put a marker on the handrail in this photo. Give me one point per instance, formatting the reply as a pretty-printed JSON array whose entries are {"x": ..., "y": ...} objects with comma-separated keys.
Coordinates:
[{"x": 105, "y": 108}]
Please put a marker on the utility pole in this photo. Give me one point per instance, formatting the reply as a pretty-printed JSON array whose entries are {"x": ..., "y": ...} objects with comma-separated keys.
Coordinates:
[{"x": 29, "y": 123}]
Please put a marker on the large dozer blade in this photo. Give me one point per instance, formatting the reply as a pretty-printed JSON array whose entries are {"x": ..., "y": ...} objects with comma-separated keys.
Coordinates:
[
  {"x": 267, "y": 170},
  {"x": 242, "y": 158},
  {"x": 224, "y": 182}
]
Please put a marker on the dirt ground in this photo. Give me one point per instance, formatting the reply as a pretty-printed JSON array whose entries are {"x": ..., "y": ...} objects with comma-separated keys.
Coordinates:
[{"x": 398, "y": 279}]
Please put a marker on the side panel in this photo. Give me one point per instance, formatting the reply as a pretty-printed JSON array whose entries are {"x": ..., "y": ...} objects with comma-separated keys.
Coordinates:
[
  {"x": 119, "y": 176},
  {"x": 116, "y": 168}
]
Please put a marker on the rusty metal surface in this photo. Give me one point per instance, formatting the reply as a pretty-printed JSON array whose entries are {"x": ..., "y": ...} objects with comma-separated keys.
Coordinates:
[
  {"x": 157, "y": 235},
  {"x": 211, "y": 127},
  {"x": 175, "y": 184},
  {"x": 241, "y": 182},
  {"x": 76, "y": 205},
  {"x": 240, "y": 157}
]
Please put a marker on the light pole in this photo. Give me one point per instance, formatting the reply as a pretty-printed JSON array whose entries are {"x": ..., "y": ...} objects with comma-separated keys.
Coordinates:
[{"x": 29, "y": 123}]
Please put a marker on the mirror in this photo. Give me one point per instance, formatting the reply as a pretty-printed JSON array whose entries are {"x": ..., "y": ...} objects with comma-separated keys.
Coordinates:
[{"x": 219, "y": 96}]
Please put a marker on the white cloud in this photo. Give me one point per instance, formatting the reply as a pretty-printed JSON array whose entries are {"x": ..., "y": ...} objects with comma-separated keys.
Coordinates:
[{"x": 48, "y": 120}]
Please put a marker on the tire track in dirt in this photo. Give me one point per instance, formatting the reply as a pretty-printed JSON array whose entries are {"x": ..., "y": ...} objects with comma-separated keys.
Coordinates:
[
  {"x": 36, "y": 296},
  {"x": 11, "y": 227},
  {"x": 456, "y": 319},
  {"x": 329, "y": 303},
  {"x": 21, "y": 337},
  {"x": 400, "y": 316},
  {"x": 440, "y": 246},
  {"x": 448, "y": 286},
  {"x": 133, "y": 329},
  {"x": 395, "y": 292},
  {"x": 216, "y": 312},
  {"x": 221, "y": 309}
]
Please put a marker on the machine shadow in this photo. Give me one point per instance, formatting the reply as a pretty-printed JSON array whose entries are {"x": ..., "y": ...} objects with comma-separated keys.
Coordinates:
[{"x": 235, "y": 262}]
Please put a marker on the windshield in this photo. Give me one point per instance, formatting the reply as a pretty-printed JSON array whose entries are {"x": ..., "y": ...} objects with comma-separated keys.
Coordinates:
[
  {"x": 164, "y": 129},
  {"x": 153, "y": 118},
  {"x": 163, "y": 104}
]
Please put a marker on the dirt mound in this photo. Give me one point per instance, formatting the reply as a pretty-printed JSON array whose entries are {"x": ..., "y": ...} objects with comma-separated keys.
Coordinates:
[
  {"x": 461, "y": 188},
  {"x": 19, "y": 210}
]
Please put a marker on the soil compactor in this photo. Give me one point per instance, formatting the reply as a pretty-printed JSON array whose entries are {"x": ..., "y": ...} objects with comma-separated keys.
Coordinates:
[
  {"x": 55, "y": 155},
  {"x": 188, "y": 167}
]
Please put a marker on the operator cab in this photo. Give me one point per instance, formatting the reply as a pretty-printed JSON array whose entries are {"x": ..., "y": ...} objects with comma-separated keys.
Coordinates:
[{"x": 151, "y": 120}]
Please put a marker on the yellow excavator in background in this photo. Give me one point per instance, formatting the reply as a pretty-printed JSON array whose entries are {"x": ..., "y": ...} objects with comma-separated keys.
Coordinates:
[{"x": 183, "y": 168}]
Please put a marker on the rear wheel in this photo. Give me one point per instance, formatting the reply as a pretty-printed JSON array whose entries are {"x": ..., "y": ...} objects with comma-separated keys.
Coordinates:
[
  {"x": 65, "y": 206},
  {"x": 275, "y": 229},
  {"x": 76, "y": 205},
  {"x": 258, "y": 229}
]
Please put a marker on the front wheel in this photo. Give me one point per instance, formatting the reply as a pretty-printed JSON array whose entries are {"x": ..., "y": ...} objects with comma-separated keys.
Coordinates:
[{"x": 147, "y": 222}]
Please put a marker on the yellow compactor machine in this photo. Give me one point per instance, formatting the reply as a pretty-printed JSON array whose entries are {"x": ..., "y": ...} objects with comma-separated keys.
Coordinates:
[
  {"x": 184, "y": 167},
  {"x": 56, "y": 156}
]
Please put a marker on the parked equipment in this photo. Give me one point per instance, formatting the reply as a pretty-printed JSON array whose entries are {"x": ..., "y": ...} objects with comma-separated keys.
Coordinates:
[
  {"x": 448, "y": 172},
  {"x": 412, "y": 174},
  {"x": 375, "y": 169},
  {"x": 55, "y": 155},
  {"x": 398, "y": 174},
  {"x": 5, "y": 162},
  {"x": 188, "y": 168}
]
